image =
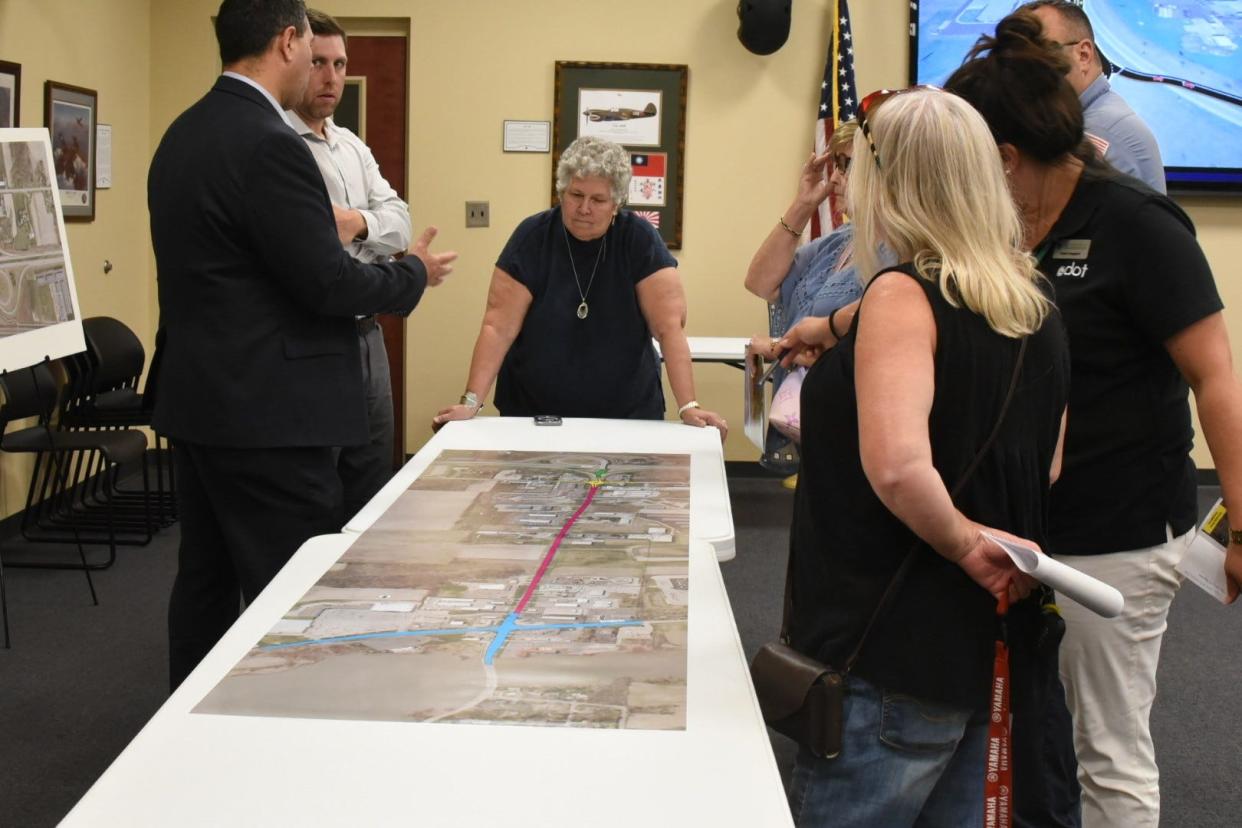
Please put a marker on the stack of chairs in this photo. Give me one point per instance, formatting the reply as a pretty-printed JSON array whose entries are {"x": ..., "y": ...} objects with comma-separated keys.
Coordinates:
[
  {"x": 57, "y": 492},
  {"x": 102, "y": 394}
]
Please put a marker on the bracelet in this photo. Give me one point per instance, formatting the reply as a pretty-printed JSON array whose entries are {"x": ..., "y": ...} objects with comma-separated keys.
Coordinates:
[
  {"x": 688, "y": 406},
  {"x": 1235, "y": 535},
  {"x": 832, "y": 324},
  {"x": 797, "y": 234}
]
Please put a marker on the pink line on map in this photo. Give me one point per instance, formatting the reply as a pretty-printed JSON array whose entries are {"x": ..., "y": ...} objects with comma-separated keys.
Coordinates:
[{"x": 556, "y": 544}]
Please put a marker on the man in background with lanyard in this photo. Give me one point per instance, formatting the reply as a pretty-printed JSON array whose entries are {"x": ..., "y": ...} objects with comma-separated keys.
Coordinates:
[{"x": 373, "y": 223}]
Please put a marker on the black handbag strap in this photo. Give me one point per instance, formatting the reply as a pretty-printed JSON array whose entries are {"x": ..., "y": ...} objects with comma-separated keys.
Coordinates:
[{"x": 908, "y": 561}]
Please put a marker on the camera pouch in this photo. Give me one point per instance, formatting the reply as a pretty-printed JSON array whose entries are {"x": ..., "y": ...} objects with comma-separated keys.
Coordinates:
[{"x": 800, "y": 697}]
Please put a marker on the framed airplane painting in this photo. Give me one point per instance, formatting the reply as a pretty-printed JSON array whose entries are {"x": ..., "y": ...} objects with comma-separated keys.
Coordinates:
[{"x": 642, "y": 107}]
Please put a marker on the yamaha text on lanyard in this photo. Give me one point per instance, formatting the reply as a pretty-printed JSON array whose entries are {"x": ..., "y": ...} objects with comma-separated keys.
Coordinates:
[{"x": 998, "y": 769}]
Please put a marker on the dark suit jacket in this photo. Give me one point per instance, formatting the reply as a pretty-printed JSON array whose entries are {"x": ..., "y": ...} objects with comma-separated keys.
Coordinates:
[{"x": 257, "y": 296}]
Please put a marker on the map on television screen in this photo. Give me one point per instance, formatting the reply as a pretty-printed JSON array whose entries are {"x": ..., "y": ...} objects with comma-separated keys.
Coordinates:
[{"x": 1177, "y": 63}]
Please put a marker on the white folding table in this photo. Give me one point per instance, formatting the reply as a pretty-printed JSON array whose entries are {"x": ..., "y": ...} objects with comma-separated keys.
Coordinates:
[
  {"x": 730, "y": 350},
  {"x": 711, "y": 516},
  {"x": 191, "y": 769}
]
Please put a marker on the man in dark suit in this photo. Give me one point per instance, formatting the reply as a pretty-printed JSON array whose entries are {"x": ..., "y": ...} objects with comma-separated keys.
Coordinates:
[{"x": 260, "y": 374}]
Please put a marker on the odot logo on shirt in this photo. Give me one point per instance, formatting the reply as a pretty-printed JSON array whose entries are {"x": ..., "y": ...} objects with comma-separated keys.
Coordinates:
[
  {"x": 1076, "y": 250},
  {"x": 1073, "y": 270}
]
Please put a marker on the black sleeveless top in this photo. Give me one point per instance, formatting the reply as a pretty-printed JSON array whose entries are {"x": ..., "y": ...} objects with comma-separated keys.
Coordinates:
[{"x": 935, "y": 640}]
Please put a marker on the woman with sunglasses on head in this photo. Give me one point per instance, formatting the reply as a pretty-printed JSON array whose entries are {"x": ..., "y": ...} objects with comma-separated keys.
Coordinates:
[
  {"x": 805, "y": 280},
  {"x": 1145, "y": 328},
  {"x": 955, "y": 350}
]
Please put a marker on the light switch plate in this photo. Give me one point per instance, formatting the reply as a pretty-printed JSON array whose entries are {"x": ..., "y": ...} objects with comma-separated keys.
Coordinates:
[{"x": 477, "y": 214}]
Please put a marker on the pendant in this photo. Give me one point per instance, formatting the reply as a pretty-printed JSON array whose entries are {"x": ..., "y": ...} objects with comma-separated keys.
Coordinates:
[{"x": 583, "y": 310}]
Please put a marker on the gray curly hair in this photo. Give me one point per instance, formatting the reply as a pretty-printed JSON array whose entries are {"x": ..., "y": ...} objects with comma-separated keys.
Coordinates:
[{"x": 591, "y": 156}]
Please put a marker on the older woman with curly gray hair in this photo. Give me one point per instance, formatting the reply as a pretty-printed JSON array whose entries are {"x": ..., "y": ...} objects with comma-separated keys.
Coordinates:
[{"x": 577, "y": 295}]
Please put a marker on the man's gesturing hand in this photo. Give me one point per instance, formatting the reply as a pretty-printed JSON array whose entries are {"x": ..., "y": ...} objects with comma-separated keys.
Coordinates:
[{"x": 438, "y": 265}]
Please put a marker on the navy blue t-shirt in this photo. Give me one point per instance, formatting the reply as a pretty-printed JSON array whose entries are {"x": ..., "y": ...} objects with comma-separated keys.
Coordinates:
[{"x": 600, "y": 366}]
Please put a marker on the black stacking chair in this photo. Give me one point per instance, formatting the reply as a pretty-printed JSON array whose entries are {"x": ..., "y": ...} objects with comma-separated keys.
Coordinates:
[
  {"x": 103, "y": 395},
  {"x": 33, "y": 393},
  {"x": 63, "y": 506}
]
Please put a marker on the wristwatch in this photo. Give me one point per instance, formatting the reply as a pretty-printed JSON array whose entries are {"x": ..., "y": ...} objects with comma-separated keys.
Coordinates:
[
  {"x": 1235, "y": 535},
  {"x": 471, "y": 399}
]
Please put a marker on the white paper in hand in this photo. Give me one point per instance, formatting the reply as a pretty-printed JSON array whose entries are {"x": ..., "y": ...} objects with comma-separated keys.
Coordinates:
[
  {"x": 1092, "y": 593},
  {"x": 1204, "y": 565},
  {"x": 1204, "y": 562}
]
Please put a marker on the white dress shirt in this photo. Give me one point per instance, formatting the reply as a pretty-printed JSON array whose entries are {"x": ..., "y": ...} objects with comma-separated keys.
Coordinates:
[
  {"x": 262, "y": 90},
  {"x": 354, "y": 182}
]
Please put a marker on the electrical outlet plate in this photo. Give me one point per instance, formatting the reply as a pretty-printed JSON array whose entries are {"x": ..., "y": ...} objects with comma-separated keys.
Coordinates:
[{"x": 477, "y": 214}]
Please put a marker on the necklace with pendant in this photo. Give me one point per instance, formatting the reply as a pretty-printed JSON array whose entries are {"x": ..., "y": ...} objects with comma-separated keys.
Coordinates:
[{"x": 583, "y": 308}]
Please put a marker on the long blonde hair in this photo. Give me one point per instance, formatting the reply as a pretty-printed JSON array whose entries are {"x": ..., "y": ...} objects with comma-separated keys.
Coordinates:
[{"x": 938, "y": 197}]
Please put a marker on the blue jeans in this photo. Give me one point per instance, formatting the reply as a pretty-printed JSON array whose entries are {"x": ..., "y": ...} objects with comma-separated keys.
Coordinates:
[{"x": 903, "y": 762}]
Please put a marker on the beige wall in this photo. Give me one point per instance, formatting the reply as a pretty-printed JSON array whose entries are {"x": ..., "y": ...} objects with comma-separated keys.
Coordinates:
[
  {"x": 474, "y": 64},
  {"x": 102, "y": 46}
]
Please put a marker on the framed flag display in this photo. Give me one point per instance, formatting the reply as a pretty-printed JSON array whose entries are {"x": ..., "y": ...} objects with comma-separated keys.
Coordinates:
[{"x": 642, "y": 107}]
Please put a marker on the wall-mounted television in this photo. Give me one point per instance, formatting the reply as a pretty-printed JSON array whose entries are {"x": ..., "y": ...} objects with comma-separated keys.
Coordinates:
[{"x": 1178, "y": 63}]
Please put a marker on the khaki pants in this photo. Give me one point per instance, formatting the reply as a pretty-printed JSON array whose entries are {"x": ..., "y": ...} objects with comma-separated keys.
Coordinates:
[{"x": 1108, "y": 666}]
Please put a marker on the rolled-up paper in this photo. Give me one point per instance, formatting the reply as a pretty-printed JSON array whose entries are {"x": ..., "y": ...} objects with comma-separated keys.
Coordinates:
[{"x": 1092, "y": 593}]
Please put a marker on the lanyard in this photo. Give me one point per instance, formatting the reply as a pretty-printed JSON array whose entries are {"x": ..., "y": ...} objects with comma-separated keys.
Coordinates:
[
  {"x": 1041, "y": 252},
  {"x": 998, "y": 778}
]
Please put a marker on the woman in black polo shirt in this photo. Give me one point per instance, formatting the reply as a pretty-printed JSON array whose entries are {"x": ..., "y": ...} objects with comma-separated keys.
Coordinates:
[
  {"x": 576, "y": 297},
  {"x": 1145, "y": 327},
  {"x": 892, "y": 418}
]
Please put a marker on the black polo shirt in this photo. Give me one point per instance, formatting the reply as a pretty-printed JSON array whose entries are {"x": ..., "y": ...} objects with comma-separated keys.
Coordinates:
[
  {"x": 600, "y": 366},
  {"x": 1128, "y": 274}
]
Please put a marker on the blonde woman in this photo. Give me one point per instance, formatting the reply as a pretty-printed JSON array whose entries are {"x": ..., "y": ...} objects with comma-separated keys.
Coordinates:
[
  {"x": 804, "y": 280},
  {"x": 816, "y": 278},
  {"x": 892, "y": 417}
]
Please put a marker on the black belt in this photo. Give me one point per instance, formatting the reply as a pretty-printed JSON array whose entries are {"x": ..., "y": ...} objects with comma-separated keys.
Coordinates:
[{"x": 366, "y": 324}]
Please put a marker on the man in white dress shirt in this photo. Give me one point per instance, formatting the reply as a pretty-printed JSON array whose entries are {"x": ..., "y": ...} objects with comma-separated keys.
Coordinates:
[{"x": 373, "y": 223}]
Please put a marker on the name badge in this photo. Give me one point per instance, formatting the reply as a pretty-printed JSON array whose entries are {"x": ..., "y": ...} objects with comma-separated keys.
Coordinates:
[{"x": 1072, "y": 249}]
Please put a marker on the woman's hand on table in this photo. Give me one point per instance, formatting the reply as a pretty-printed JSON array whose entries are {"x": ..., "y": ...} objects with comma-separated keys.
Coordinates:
[
  {"x": 701, "y": 418},
  {"x": 453, "y": 412}
]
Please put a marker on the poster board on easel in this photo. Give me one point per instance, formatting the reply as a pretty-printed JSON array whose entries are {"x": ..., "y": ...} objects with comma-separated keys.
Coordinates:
[{"x": 39, "y": 313}]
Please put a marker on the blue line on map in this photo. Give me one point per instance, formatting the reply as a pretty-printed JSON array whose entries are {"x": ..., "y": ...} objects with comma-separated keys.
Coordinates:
[{"x": 502, "y": 631}]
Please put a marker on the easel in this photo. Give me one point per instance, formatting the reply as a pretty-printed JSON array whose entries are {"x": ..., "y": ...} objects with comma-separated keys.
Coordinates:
[{"x": 57, "y": 467}]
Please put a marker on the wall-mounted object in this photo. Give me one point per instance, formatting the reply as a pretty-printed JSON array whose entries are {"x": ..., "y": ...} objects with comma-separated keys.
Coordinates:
[
  {"x": 763, "y": 25},
  {"x": 70, "y": 115},
  {"x": 528, "y": 136},
  {"x": 103, "y": 156},
  {"x": 642, "y": 107},
  {"x": 10, "y": 94}
]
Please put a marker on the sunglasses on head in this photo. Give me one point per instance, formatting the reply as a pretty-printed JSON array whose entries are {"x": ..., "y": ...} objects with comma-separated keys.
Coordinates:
[{"x": 869, "y": 104}]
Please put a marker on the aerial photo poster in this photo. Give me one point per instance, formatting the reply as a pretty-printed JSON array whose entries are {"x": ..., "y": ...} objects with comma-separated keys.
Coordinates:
[
  {"x": 39, "y": 314},
  {"x": 502, "y": 587}
]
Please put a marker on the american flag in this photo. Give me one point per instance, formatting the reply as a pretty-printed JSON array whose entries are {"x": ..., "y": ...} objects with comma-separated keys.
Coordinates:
[{"x": 837, "y": 100}]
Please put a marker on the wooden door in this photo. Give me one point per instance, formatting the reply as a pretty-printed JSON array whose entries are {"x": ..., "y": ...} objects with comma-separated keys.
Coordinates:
[{"x": 382, "y": 62}]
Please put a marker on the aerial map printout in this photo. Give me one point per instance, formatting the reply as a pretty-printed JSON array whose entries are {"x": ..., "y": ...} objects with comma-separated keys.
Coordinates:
[
  {"x": 34, "y": 287},
  {"x": 39, "y": 316},
  {"x": 502, "y": 587}
]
